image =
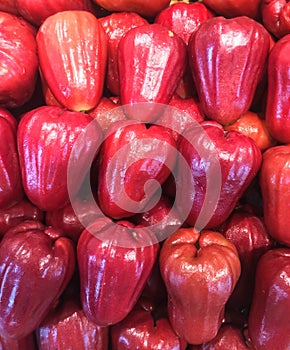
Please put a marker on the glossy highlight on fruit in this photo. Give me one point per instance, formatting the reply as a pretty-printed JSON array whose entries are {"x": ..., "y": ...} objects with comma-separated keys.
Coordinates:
[
  {"x": 227, "y": 57},
  {"x": 18, "y": 60},
  {"x": 72, "y": 49}
]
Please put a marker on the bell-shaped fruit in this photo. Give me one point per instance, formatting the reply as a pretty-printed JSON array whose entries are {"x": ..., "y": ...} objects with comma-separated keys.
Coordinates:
[
  {"x": 72, "y": 49},
  {"x": 227, "y": 58},
  {"x": 47, "y": 144},
  {"x": 36, "y": 264}
]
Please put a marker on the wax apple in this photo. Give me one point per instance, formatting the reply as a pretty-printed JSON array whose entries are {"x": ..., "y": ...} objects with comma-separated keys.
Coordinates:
[
  {"x": 269, "y": 319},
  {"x": 140, "y": 330},
  {"x": 152, "y": 69},
  {"x": 222, "y": 165},
  {"x": 276, "y": 16},
  {"x": 36, "y": 264},
  {"x": 183, "y": 18},
  {"x": 67, "y": 327},
  {"x": 189, "y": 106},
  {"x": 274, "y": 182},
  {"x": 228, "y": 338},
  {"x": 37, "y": 11},
  {"x": 9, "y": 117},
  {"x": 249, "y": 235},
  {"x": 145, "y": 8},
  {"x": 233, "y": 8},
  {"x": 277, "y": 108},
  {"x": 69, "y": 222},
  {"x": 116, "y": 25},
  {"x": 46, "y": 136},
  {"x": 48, "y": 96},
  {"x": 130, "y": 156},
  {"x": 163, "y": 218},
  {"x": 113, "y": 259},
  {"x": 26, "y": 343},
  {"x": 72, "y": 49},
  {"x": 11, "y": 191},
  {"x": 107, "y": 112},
  {"x": 227, "y": 53},
  {"x": 154, "y": 293},
  {"x": 252, "y": 125},
  {"x": 18, "y": 75},
  {"x": 200, "y": 272},
  {"x": 22, "y": 211},
  {"x": 185, "y": 111}
]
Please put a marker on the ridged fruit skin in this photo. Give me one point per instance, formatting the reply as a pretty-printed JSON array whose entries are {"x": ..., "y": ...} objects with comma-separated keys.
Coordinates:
[
  {"x": 114, "y": 258},
  {"x": 227, "y": 58},
  {"x": 67, "y": 327},
  {"x": 151, "y": 61},
  {"x": 212, "y": 154},
  {"x": 36, "y": 264},
  {"x": 269, "y": 318},
  {"x": 278, "y": 98},
  {"x": 46, "y": 137},
  {"x": 72, "y": 49},
  {"x": 141, "y": 330},
  {"x": 200, "y": 271},
  {"x": 116, "y": 25},
  {"x": 274, "y": 183},
  {"x": 18, "y": 60}
]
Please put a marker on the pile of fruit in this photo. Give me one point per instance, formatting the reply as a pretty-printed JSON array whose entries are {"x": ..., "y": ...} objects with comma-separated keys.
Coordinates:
[{"x": 145, "y": 174}]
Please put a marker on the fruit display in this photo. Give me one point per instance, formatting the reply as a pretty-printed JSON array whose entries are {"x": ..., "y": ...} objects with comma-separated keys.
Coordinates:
[{"x": 145, "y": 175}]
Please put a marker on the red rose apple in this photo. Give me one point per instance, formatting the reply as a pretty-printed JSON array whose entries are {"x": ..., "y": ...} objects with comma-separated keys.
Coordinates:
[
  {"x": 72, "y": 49},
  {"x": 18, "y": 60}
]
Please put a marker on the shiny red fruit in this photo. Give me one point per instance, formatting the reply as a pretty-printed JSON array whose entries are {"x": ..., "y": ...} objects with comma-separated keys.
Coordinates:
[
  {"x": 116, "y": 25},
  {"x": 129, "y": 158},
  {"x": 37, "y": 11},
  {"x": 139, "y": 330},
  {"x": 113, "y": 259},
  {"x": 67, "y": 327},
  {"x": 72, "y": 49},
  {"x": 200, "y": 271},
  {"x": 269, "y": 319},
  {"x": 46, "y": 137},
  {"x": 18, "y": 60},
  {"x": 36, "y": 264},
  {"x": 278, "y": 98},
  {"x": 227, "y": 58},
  {"x": 151, "y": 61},
  {"x": 11, "y": 191}
]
